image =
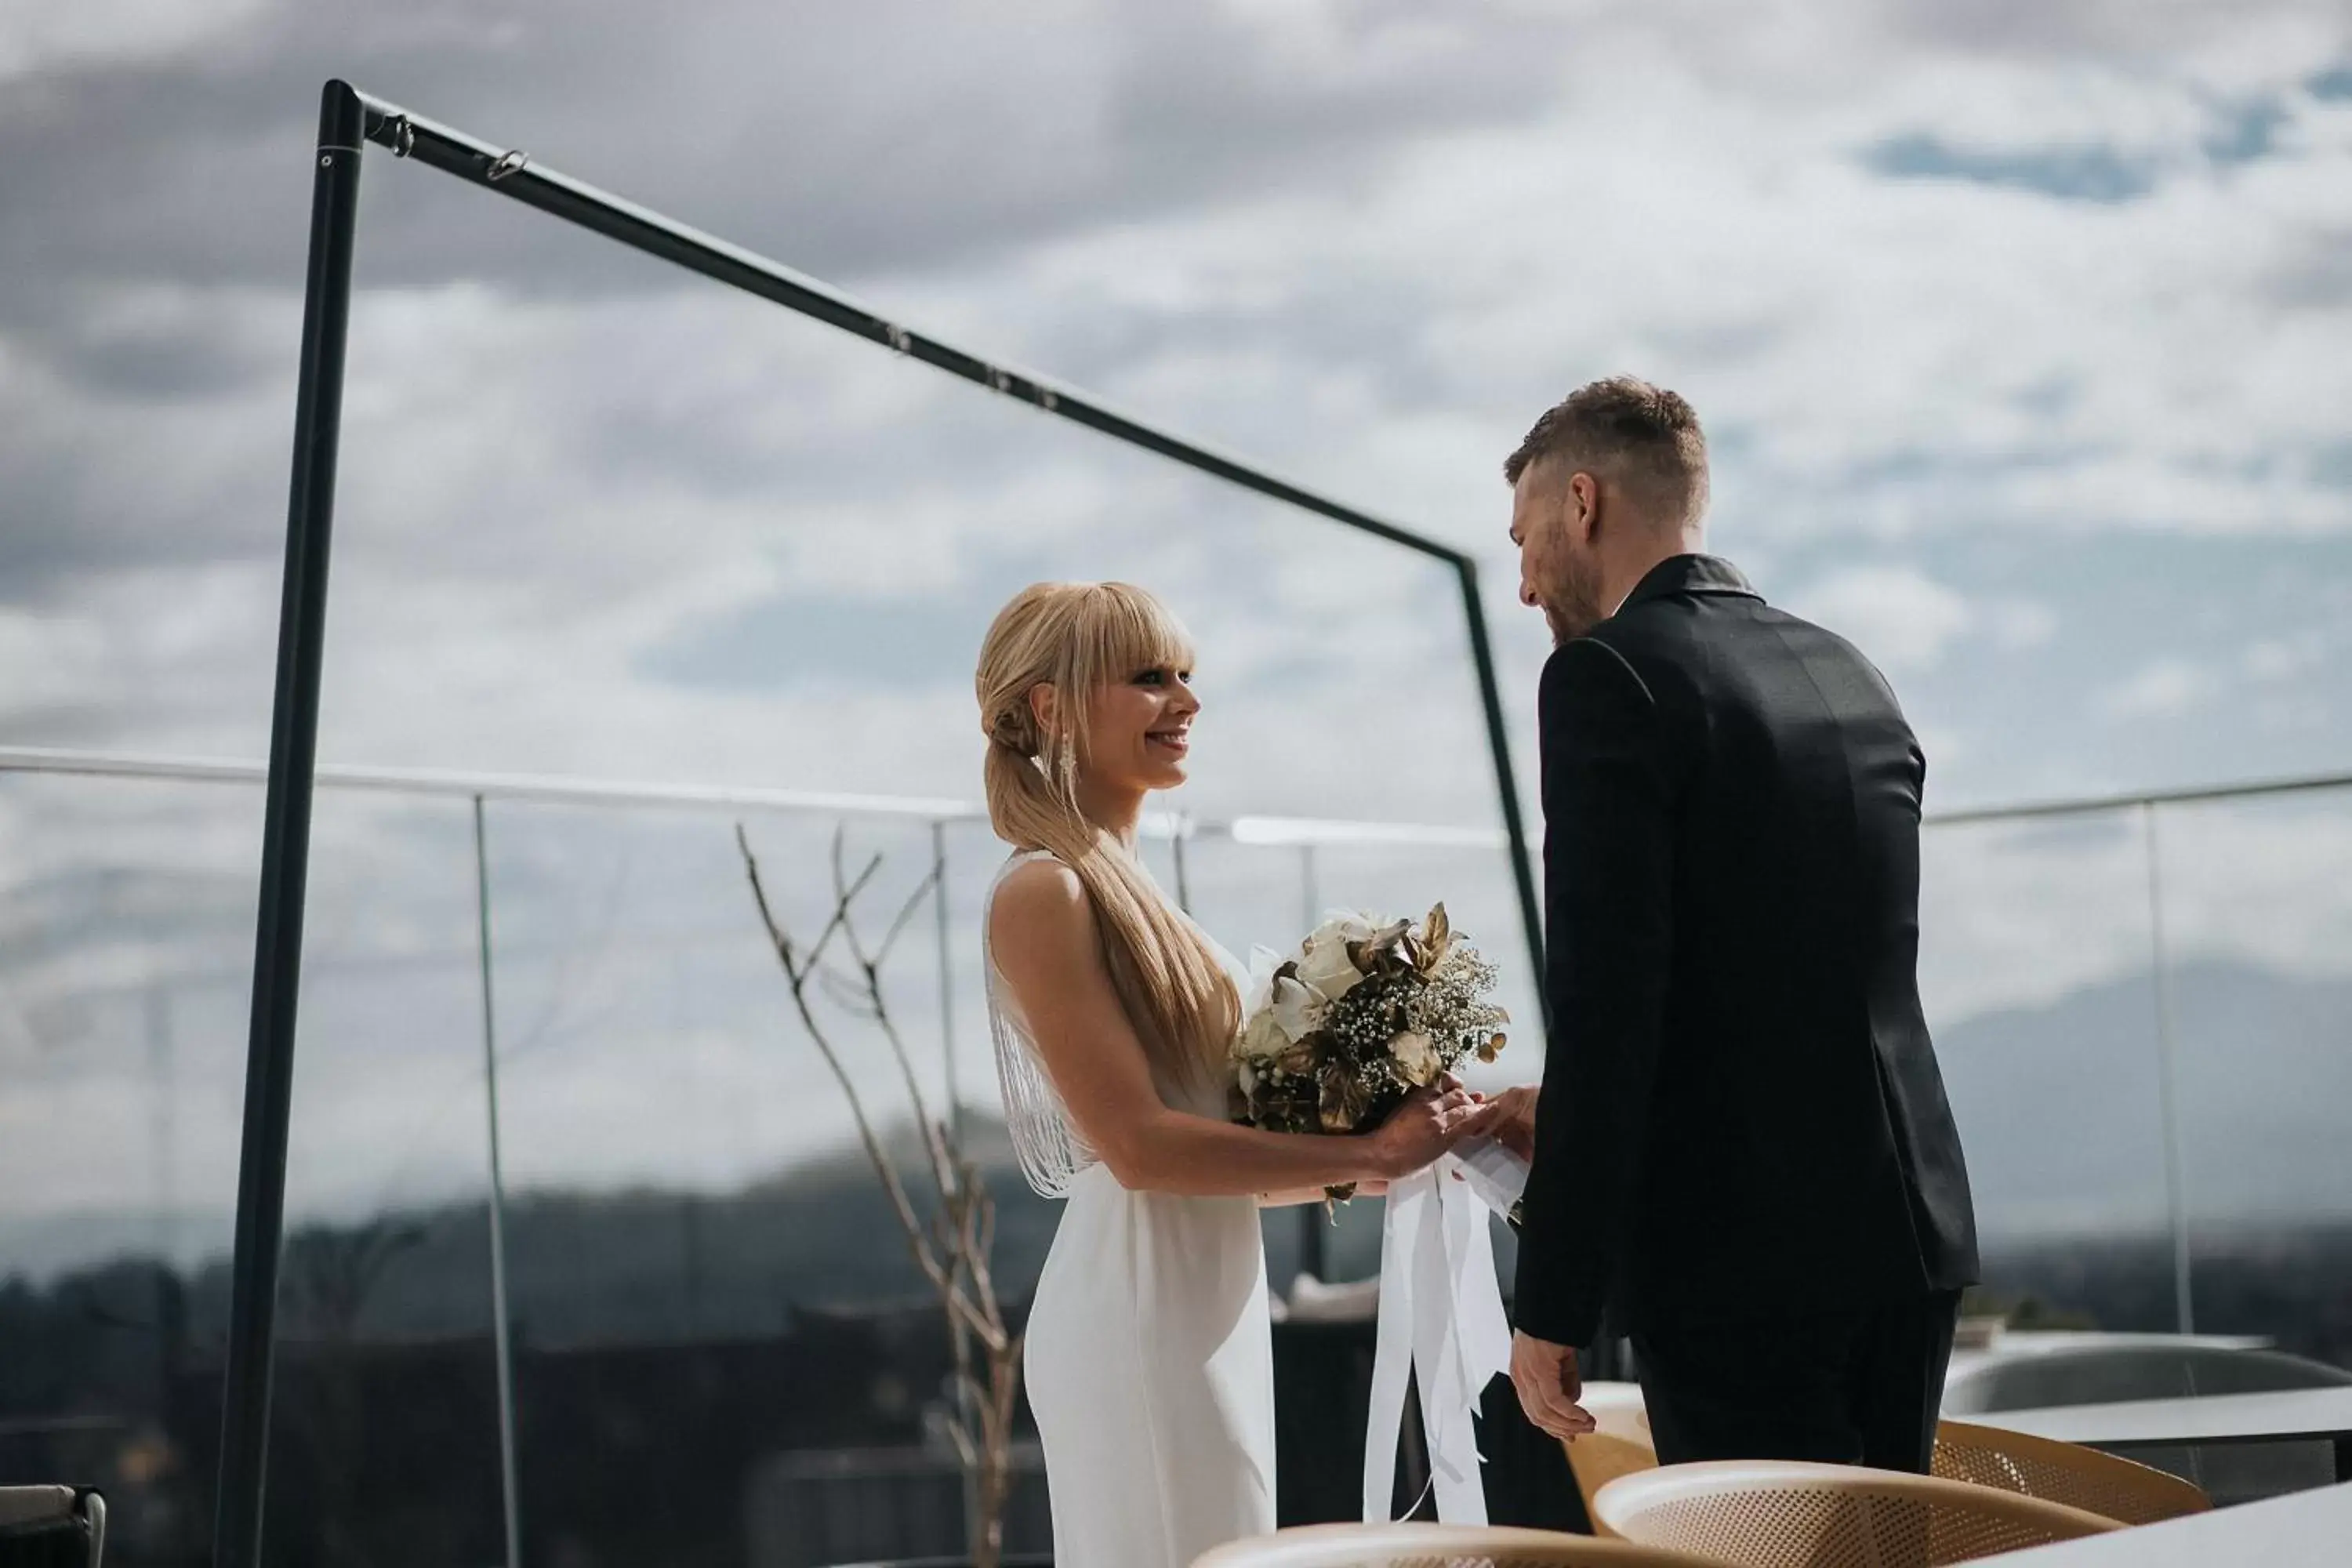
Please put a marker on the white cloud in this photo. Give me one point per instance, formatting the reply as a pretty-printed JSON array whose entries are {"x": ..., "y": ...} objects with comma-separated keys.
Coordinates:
[
  {"x": 2166, "y": 687},
  {"x": 2017, "y": 624},
  {"x": 2277, "y": 659},
  {"x": 37, "y": 38},
  {"x": 1901, "y": 618}
]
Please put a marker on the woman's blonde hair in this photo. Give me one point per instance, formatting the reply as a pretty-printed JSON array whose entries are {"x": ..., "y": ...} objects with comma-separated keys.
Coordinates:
[{"x": 1076, "y": 638}]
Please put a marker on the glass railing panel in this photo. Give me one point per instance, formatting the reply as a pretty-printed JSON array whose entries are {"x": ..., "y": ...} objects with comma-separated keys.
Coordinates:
[
  {"x": 2035, "y": 952},
  {"x": 384, "y": 1408},
  {"x": 2258, "y": 920},
  {"x": 695, "y": 1239},
  {"x": 126, "y": 932}
]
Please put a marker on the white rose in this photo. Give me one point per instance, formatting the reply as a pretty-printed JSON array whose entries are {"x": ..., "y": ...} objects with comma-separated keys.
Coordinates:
[
  {"x": 1261, "y": 1036},
  {"x": 1416, "y": 1056},
  {"x": 1264, "y": 961},
  {"x": 1327, "y": 966},
  {"x": 1297, "y": 1009},
  {"x": 1343, "y": 925}
]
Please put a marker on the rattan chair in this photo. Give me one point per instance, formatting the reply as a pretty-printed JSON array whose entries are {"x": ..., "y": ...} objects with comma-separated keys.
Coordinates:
[
  {"x": 2112, "y": 1487},
  {"x": 1619, "y": 1444},
  {"x": 1762, "y": 1513},
  {"x": 1412, "y": 1545}
]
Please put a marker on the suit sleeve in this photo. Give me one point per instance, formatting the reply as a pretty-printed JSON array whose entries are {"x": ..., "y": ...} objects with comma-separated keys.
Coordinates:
[{"x": 1608, "y": 889}]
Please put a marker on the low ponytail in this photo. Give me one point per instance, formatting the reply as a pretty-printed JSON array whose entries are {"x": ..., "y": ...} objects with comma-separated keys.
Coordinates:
[{"x": 1075, "y": 637}]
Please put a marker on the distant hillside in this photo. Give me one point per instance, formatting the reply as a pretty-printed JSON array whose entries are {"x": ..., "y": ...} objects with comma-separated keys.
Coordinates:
[
  {"x": 2058, "y": 1112},
  {"x": 632, "y": 1266},
  {"x": 2057, "y": 1108}
]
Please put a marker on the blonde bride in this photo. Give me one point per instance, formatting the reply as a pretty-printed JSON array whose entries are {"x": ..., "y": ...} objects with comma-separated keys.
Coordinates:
[{"x": 1149, "y": 1360}]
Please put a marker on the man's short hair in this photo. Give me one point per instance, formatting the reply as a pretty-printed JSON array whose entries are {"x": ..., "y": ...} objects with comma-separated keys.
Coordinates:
[{"x": 1643, "y": 438}]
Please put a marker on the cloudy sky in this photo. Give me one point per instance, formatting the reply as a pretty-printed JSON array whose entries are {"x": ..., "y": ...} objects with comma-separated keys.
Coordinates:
[{"x": 2022, "y": 334}]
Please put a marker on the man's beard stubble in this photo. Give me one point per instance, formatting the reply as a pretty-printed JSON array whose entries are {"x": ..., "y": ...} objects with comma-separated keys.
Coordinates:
[{"x": 1573, "y": 606}]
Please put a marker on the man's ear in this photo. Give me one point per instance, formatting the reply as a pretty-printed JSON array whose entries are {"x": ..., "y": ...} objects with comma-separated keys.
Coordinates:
[{"x": 1582, "y": 504}]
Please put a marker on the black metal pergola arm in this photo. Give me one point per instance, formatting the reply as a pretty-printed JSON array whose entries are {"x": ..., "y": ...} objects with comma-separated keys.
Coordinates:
[
  {"x": 347, "y": 120},
  {"x": 509, "y": 172}
]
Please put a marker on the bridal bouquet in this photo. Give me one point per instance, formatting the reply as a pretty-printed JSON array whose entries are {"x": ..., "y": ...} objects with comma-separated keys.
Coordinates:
[{"x": 1334, "y": 1038}]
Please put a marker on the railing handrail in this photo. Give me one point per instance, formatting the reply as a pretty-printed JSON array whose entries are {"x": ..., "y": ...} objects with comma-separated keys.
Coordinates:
[
  {"x": 561, "y": 791},
  {"x": 2089, "y": 805},
  {"x": 1261, "y": 830},
  {"x": 541, "y": 789}
]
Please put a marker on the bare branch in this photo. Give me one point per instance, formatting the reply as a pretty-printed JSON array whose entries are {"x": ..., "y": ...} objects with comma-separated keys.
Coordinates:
[
  {"x": 906, "y": 913},
  {"x": 934, "y": 1144},
  {"x": 798, "y": 979},
  {"x": 951, "y": 1245}
]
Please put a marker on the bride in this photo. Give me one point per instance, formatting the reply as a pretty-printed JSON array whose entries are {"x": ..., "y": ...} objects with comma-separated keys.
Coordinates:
[{"x": 1150, "y": 1361}]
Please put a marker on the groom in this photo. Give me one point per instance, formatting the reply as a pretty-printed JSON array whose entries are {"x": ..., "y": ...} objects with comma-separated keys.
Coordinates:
[{"x": 1743, "y": 1159}]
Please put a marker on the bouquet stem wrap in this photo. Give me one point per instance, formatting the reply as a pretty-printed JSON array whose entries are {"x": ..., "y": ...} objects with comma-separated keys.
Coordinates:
[{"x": 1441, "y": 1324}]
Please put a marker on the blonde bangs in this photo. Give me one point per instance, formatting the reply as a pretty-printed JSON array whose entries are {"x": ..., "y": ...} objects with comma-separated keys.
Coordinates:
[{"x": 1132, "y": 630}]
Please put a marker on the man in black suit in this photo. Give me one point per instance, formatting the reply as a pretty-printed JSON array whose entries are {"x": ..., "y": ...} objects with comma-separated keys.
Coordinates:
[{"x": 1742, "y": 1156}]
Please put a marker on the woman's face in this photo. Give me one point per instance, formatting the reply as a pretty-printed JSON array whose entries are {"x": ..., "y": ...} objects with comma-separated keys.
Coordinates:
[{"x": 1140, "y": 729}]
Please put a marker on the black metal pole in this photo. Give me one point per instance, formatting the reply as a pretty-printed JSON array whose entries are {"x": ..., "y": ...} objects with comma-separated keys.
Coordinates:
[
  {"x": 285, "y": 837},
  {"x": 1506, "y": 789}
]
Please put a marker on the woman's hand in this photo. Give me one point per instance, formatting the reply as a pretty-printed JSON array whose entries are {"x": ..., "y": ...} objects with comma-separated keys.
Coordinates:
[{"x": 1429, "y": 1123}]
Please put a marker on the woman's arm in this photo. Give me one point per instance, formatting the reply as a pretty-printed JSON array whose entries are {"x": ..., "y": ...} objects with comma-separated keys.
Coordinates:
[{"x": 1042, "y": 932}]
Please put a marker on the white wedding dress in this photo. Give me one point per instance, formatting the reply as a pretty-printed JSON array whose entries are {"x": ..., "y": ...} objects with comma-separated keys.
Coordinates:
[{"x": 1150, "y": 1358}]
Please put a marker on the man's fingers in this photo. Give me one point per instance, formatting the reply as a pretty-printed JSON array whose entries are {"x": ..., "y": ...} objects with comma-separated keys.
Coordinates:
[
  {"x": 1490, "y": 1116},
  {"x": 1554, "y": 1412},
  {"x": 1559, "y": 1414},
  {"x": 1565, "y": 1416}
]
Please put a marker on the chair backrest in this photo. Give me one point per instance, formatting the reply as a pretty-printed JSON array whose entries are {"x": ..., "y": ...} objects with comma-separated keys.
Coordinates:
[
  {"x": 1412, "y": 1545},
  {"x": 35, "y": 1505},
  {"x": 2104, "y": 1484},
  {"x": 2105, "y": 1373},
  {"x": 1763, "y": 1513},
  {"x": 1619, "y": 1445},
  {"x": 51, "y": 1527}
]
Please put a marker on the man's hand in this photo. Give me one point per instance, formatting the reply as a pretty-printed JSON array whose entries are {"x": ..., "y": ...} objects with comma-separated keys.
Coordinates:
[
  {"x": 1509, "y": 1119},
  {"x": 1545, "y": 1375}
]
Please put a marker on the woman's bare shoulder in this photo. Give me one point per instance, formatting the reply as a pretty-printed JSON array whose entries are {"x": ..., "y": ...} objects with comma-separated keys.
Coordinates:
[{"x": 1040, "y": 903}]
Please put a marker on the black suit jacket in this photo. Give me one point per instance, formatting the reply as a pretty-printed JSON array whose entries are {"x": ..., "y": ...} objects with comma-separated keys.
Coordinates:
[{"x": 1741, "y": 1110}]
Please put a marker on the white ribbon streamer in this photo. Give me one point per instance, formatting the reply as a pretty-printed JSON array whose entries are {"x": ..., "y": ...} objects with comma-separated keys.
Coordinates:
[{"x": 1441, "y": 1324}]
